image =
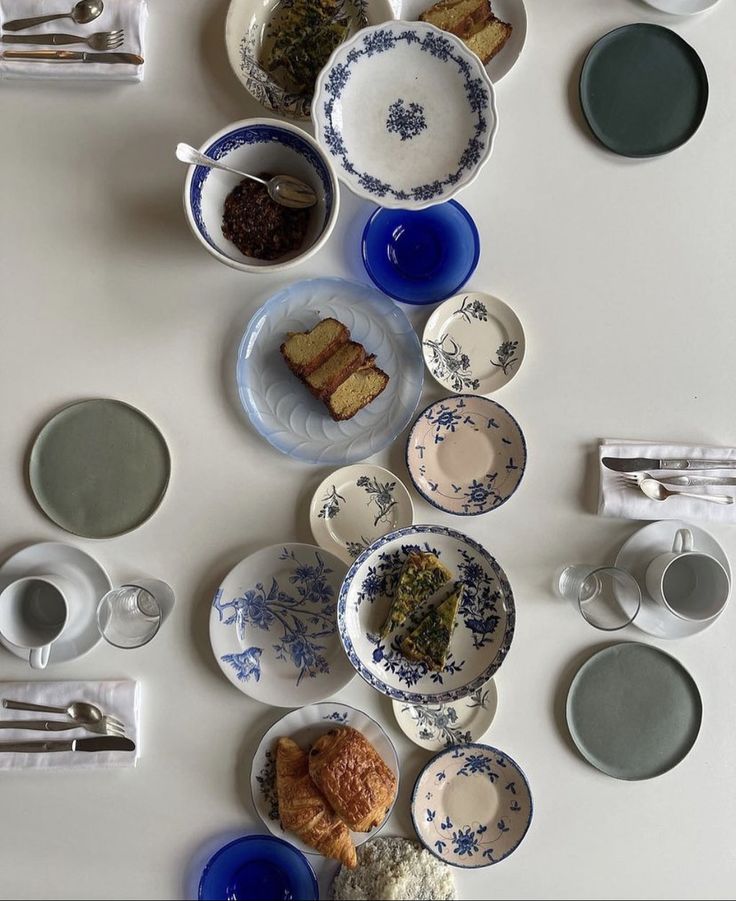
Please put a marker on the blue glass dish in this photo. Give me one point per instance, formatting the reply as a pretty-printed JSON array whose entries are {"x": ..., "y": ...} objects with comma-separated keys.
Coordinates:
[
  {"x": 421, "y": 256},
  {"x": 259, "y": 867}
]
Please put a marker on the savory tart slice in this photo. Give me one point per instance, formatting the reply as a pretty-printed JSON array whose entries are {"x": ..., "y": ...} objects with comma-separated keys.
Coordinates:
[
  {"x": 430, "y": 641},
  {"x": 421, "y": 576}
]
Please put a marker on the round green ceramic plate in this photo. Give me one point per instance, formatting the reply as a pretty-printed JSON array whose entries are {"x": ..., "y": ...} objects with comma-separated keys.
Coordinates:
[
  {"x": 633, "y": 711},
  {"x": 643, "y": 90},
  {"x": 99, "y": 468}
]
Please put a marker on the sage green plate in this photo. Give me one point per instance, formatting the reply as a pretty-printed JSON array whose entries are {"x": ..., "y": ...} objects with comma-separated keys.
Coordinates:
[
  {"x": 99, "y": 468},
  {"x": 633, "y": 711},
  {"x": 643, "y": 90}
]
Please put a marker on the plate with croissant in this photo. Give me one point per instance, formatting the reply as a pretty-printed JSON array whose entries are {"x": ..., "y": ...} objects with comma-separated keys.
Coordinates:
[{"x": 325, "y": 777}]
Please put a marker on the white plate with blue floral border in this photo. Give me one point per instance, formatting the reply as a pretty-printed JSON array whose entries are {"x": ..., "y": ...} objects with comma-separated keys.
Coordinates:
[
  {"x": 438, "y": 726},
  {"x": 356, "y": 505},
  {"x": 273, "y": 628},
  {"x": 471, "y": 806},
  {"x": 407, "y": 114},
  {"x": 473, "y": 342},
  {"x": 485, "y": 621},
  {"x": 305, "y": 726},
  {"x": 466, "y": 454}
]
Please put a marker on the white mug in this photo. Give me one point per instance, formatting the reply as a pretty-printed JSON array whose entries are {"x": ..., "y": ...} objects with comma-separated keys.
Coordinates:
[
  {"x": 34, "y": 612},
  {"x": 692, "y": 585}
]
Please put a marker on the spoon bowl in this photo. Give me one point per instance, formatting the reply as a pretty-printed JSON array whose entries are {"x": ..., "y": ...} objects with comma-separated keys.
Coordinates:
[{"x": 87, "y": 11}]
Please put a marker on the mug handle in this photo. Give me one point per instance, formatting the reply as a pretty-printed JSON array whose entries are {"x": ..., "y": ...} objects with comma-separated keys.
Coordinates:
[
  {"x": 39, "y": 657},
  {"x": 683, "y": 542}
]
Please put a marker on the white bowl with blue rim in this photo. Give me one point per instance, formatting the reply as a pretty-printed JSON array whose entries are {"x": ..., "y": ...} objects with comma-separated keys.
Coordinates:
[
  {"x": 407, "y": 114},
  {"x": 257, "y": 146}
]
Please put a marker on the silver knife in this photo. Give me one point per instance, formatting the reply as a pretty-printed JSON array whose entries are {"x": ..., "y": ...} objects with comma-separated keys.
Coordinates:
[
  {"x": 640, "y": 464},
  {"x": 73, "y": 56},
  {"x": 105, "y": 743}
]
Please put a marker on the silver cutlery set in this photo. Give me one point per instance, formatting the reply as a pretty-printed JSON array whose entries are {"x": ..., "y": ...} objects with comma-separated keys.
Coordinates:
[
  {"x": 79, "y": 715},
  {"x": 636, "y": 472}
]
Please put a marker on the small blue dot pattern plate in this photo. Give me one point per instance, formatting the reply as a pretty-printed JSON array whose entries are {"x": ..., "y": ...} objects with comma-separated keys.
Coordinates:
[{"x": 471, "y": 806}]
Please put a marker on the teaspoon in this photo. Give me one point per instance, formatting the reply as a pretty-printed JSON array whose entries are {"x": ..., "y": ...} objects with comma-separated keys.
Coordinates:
[{"x": 85, "y": 11}]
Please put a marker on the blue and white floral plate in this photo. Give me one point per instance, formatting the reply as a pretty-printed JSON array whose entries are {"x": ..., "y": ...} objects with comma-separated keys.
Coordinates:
[
  {"x": 473, "y": 342},
  {"x": 282, "y": 409},
  {"x": 485, "y": 622},
  {"x": 466, "y": 455},
  {"x": 438, "y": 726},
  {"x": 273, "y": 628},
  {"x": 471, "y": 806},
  {"x": 305, "y": 726},
  {"x": 407, "y": 114},
  {"x": 355, "y": 505}
]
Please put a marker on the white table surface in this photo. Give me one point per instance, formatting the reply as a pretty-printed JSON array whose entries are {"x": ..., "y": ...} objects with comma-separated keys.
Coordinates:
[{"x": 623, "y": 275}]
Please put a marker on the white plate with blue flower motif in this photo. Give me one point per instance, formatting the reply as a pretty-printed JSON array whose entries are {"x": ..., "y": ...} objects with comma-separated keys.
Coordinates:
[
  {"x": 473, "y": 342},
  {"x": 438, "y": 726},
  {"x": 485, "y": 620},
  {"x": 305, "y": 726},
  {"x": 273, "y": 628},
  {"x": 466, "y": 454},
  {"x": 471, "y": 806},
  {"x": 355, "y": 505}
]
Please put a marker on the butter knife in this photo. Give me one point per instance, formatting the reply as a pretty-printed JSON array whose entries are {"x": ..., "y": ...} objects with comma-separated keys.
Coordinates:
[
  {"x": 641, "y": 464},
  {"x": 105, "y": 743},
  {"x": 73, "y": 56}
]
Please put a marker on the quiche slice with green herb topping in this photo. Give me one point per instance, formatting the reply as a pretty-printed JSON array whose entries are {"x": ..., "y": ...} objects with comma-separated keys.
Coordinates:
[
  {"x": 421, "y": 576},
  {"x": 430, "y": 641}
]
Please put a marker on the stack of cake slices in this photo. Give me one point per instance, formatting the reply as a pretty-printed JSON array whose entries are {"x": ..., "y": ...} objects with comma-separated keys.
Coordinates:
[{"x": 474, "y": 22}]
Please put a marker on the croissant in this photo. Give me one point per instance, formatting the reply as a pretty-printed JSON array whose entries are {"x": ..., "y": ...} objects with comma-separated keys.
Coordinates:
[
  {"x": 351, "y": 774},
  {"x": 303, "y": 809}
]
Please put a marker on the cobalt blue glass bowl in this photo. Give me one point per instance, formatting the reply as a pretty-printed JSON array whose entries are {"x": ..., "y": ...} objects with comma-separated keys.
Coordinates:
[
  {"x": 259, "y": 867},
  {"x": 421, "y": 256}
]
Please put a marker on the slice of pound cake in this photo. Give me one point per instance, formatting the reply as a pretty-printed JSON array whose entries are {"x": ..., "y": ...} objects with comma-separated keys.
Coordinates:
[
  {"x": 489, "y": 39},
  {"x": 358, "y": 390},
  {"x": 333, "y": 372},
  {"x": 458, "y": 16},
  {"x": 306, "y": 351}
]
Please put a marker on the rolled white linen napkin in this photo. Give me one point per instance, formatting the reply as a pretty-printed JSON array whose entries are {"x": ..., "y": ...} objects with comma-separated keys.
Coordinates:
[
  {"x": 618, "y": 499},
  {"x": 130, "y": 15},
  {"x": 120, "y": 699}
]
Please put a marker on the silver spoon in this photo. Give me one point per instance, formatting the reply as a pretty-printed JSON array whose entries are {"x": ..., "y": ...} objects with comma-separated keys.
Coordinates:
[
  {"x": 659, "y": 492},
  {"x": 85, "y": 11},
  {"x": 284, "y": 189}
]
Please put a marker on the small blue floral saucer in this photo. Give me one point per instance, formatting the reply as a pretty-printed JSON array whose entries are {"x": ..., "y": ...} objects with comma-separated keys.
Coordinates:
[{"x": 471, "y": 806}]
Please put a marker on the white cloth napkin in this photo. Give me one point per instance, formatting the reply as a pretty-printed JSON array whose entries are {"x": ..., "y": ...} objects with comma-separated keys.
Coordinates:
[
  {"x": 618, "y": 499},
  {"x": 129, "y": 15},
  {"x": 121, "y": 699}
]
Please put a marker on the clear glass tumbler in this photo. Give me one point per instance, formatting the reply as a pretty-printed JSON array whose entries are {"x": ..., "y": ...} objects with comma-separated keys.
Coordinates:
[
  {"x": 131, "y": 615},
  {"x": 608, "y": 598}
]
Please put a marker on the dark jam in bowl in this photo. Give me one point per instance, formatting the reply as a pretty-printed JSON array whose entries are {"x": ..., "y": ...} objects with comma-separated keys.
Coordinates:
[{"x": 258, "y": 226}]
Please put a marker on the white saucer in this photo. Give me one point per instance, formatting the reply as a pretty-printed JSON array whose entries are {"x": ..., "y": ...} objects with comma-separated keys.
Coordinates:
[
  {"x": 636, "y": 555},
  {"x": 682, "y": 7},
  {"x": 90, "y": 579}
]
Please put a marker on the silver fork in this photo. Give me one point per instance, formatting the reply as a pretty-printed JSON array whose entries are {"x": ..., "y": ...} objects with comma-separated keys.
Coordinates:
[
  {"x": 101, "y": 40},
  {"x": 80, "y": 712},
  {"x": 105, "y": 726},
  {"x": 657, "y": 491}
]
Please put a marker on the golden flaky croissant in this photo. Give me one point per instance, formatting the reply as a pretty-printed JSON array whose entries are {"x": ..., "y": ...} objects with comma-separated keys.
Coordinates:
[
  {"x": 353, "y": 777},
  {"x": 303, "y": 809}
]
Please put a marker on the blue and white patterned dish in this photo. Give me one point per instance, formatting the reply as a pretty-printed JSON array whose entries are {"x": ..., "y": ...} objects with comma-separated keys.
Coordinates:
[
  {"x": 273, "y": 627},
  {"x": 282, "y": 409},
  {"x": 485, "y": 622},
  {"x": 407, "y": 113},
  {"x": 305, "y": 726},
  {"x": 471, "y": 806},
  {"x": 466, "y": 455}
]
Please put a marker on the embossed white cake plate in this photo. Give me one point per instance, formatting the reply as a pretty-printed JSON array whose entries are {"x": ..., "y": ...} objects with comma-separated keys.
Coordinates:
[
  {"x": 682, "y": 7},
  {"x": 473, "y": 342},
  {"x": 355, "y": 505},
  {"x": 305, "y": 726}
]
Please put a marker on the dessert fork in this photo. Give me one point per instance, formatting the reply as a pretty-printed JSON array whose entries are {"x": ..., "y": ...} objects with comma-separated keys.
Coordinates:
[
  {"x": 80, "y": 712},
  {"x": 101, "y": 40},
  {"x": 656, "y": 491},
  {"x": 105, "y": 726}
]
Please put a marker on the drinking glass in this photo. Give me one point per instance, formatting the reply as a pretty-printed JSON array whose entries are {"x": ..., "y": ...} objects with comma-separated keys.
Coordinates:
[
  {"x": 608, "y": 598},
  {"x": 131, "y": 615}
]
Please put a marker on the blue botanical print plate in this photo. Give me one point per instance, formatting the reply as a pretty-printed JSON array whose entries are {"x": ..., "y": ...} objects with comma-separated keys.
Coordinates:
[
  {"x": 273, "y": 627},
  {"x": 485, "y": 621},
  {"x": 466, "y": 455},
  {"x": 471, "y": 806},
  {"x": 407, "y": 114}
]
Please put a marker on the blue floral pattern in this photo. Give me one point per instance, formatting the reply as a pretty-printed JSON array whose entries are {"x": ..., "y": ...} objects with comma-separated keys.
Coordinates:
[{"x": 406, "y": 119}]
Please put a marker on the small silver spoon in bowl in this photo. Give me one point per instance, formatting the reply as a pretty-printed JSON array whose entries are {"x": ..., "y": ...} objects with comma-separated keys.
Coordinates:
[
  {"x": 85, "y": 11},
  {"x": 284, "y": 189}
]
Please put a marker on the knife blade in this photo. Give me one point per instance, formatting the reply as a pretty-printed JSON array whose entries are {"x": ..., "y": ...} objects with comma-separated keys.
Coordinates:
[
  {"x": 641, "y": 464},
  {"x": 104, "y": 743},
  {"x": 73, "y": 56}
]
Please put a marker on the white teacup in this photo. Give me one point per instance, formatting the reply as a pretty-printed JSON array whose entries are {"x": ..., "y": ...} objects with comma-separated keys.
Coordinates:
[
  {"x": 692, "y": 585},
  {"x": 34, "y": 612}
]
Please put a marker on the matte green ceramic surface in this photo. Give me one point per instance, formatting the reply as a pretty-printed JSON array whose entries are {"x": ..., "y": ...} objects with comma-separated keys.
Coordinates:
[
  {"x": 643, "y": 90},
  {"x": 633, "y": 711},
  {"x": 99, "y": 468}
]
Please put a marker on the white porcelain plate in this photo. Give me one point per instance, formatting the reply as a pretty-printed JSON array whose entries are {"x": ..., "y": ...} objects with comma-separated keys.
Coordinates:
[
  {"x": 473, "y": 342},
  {"x": 273, "y": 627},
  {"x": 438, "y": 726},
  {"x": 355, "y": 505},
  {"x": 471, "y": 806},
  {"x": 305, "y": 726},
  {"x": 407, "y": 114},
  {"x": 682, "y": 7},
  {"x": 485, "y": 621}
]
